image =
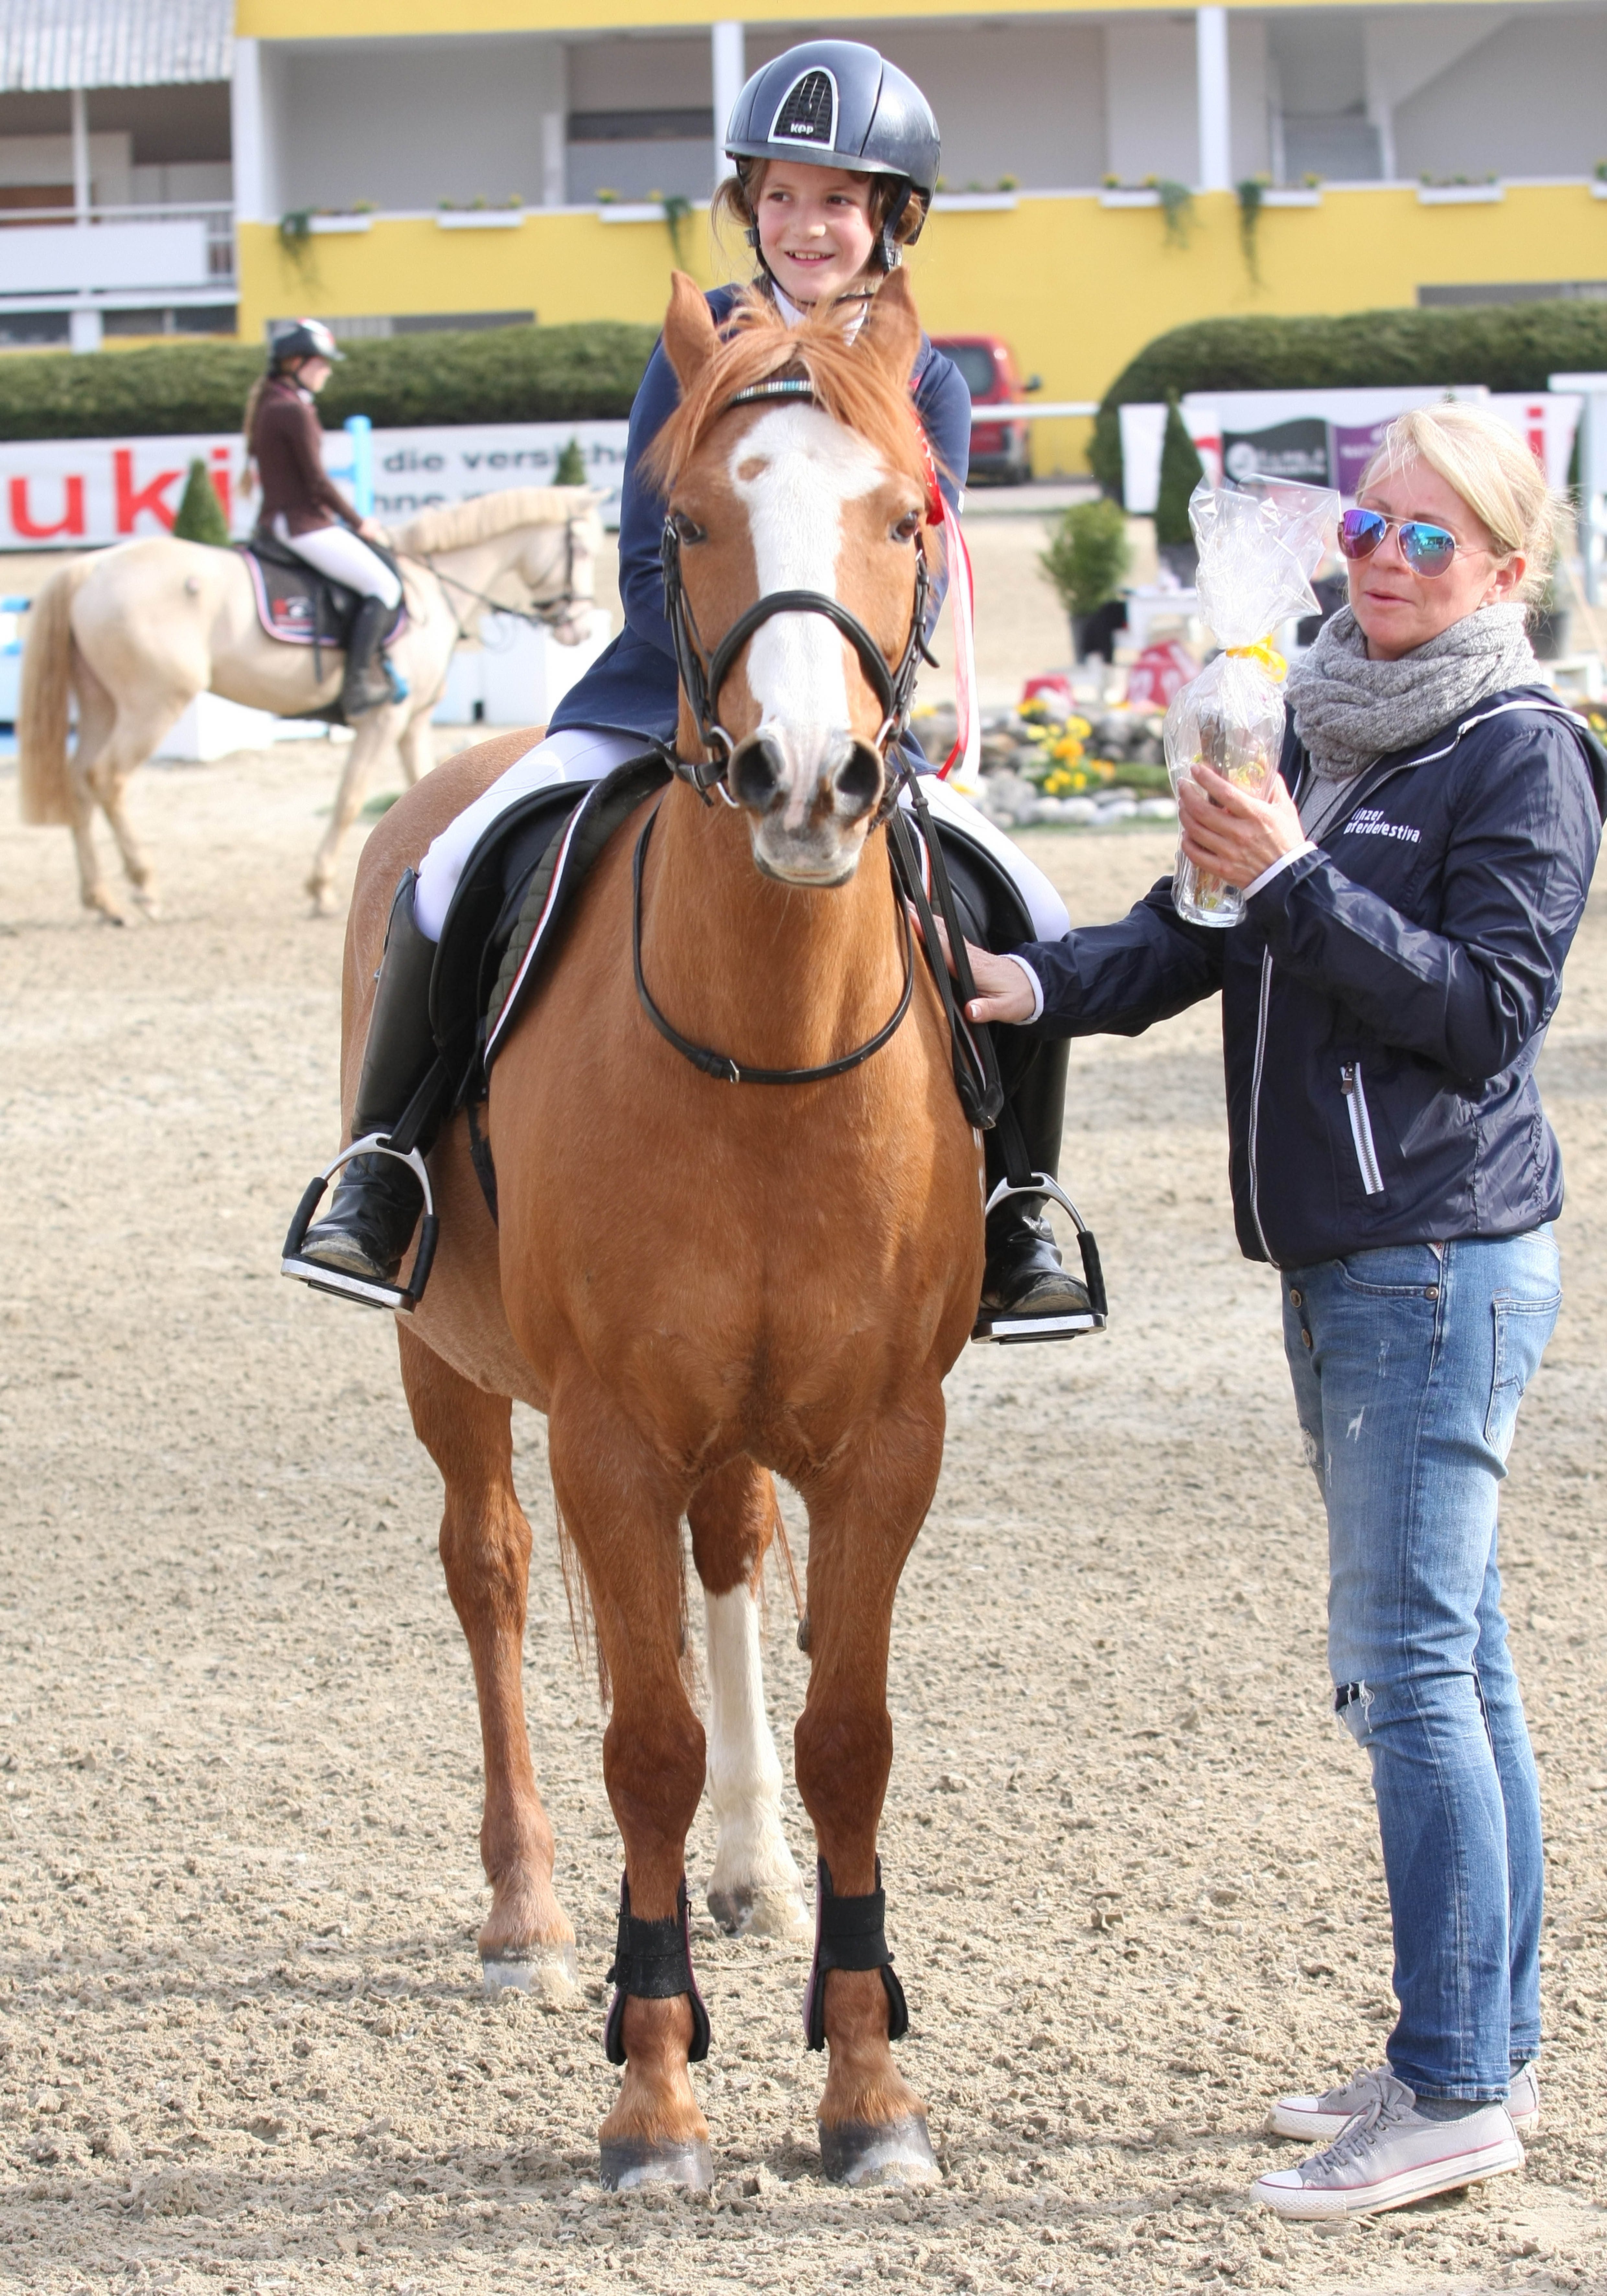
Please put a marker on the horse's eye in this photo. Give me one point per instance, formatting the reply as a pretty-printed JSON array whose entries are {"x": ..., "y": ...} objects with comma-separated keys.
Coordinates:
[
  {"x": 686, "y": 530},
  {"x": 909, "y": 527}
]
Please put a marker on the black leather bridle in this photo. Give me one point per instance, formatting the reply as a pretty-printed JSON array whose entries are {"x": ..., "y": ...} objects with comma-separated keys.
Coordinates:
[
  {"x": 703, "y": 673},
  {"x": 702, "y": 676}
]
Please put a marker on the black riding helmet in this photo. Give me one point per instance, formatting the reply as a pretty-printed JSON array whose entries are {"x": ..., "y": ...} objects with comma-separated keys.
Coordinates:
[
  {"x": 302, "y": 339},
  {"x": 839, "y": 103}
]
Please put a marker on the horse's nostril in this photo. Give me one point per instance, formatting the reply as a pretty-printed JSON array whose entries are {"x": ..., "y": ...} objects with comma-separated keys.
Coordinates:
[
  {"x": 757, "y": 772},
  {"x": 859, "y": 779}
]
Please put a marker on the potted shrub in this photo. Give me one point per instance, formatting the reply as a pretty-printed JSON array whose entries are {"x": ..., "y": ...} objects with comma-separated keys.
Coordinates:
[{"x": 1086, "y": 564}]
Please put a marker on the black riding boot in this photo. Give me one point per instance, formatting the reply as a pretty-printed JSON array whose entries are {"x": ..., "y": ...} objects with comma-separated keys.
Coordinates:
[
  {"x": 377, "y": 1201},
  {"x": 1025, "y": 1276},
  {"x": 366, "y": 685}
]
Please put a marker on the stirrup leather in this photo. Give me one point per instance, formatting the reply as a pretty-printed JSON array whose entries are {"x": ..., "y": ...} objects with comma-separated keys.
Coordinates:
[{"x": 403, "y": 1297}]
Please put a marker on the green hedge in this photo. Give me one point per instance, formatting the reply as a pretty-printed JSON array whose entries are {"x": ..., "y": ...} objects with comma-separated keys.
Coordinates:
[
  {"x": 494, "y": 374},
  {"x": 1505, "y": 346}
]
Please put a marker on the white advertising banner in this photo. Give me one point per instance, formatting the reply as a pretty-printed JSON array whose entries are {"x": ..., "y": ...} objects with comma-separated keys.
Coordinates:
[{"x": 73, "y": 493}]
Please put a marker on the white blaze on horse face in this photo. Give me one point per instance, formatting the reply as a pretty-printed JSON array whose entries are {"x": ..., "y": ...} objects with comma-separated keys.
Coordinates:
[{"x": 793, "y": 472}]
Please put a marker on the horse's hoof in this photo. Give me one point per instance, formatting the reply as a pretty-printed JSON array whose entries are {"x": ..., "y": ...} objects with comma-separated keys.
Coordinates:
[
  {"x": 550, "y": 1974},
  {"x": 762, "y": 1910},
  {"x": 150, "y": 905},
  {"x": 880, "y": 2152},
  {"x": 629, "y": 2161}
]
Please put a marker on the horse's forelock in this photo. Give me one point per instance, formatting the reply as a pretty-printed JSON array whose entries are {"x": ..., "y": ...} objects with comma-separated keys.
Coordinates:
[{"x": 757, "y": 346}]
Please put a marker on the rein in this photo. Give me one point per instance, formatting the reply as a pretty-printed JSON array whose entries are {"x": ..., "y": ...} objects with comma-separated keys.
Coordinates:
[
  {"x": 703, "y": 673},
  {"x": 720, "y": 1066}
]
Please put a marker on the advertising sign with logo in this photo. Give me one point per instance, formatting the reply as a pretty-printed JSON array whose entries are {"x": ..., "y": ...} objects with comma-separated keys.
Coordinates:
[
  {"x": 68, "y": 493},
  {"x": 1297, "y": 450}
]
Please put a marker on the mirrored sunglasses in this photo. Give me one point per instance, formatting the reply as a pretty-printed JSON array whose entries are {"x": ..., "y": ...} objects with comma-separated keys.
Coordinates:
[{"x": 1427, "y": 549}]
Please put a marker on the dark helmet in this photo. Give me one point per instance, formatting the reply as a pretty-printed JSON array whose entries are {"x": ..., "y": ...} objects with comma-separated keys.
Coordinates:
[
  {"x": 840, "y": 104},
  {"x": 303, "y": 339}
]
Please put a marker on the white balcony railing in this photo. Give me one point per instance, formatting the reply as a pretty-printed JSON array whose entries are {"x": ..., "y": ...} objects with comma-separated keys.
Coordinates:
[{"x": 60, "y": 252}]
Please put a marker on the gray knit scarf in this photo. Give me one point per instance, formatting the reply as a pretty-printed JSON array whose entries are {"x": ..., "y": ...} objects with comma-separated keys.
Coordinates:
[{"x": 1349, "y": 712}]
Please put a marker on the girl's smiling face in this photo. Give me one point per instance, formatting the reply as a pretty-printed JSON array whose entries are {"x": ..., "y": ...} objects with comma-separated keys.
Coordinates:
[{"x": 815, "y": 229}]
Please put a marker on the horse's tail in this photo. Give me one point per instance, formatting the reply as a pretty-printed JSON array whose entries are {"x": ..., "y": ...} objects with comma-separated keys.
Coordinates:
[{"x": 42, "y": 783}]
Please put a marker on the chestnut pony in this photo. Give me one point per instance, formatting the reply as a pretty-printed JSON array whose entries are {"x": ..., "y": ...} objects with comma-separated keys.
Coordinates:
[{"x": 700, "y": 1284}]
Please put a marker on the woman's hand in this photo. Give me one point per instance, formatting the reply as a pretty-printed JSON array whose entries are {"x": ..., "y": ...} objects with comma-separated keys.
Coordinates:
[
  {"x": 1231, "y": 834},
  {"x": 1005, "y": 991}
]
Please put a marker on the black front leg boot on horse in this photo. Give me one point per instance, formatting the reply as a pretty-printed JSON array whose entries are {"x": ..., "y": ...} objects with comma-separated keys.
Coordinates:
[
  {"x": 368, "y": 682},
  {"x": 1028, "y": 1292},
  {"x": 357, "y": 1248}
]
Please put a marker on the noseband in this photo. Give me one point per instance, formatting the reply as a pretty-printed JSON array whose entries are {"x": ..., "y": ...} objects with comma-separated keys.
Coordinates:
[{"x": 703, "y": 674}]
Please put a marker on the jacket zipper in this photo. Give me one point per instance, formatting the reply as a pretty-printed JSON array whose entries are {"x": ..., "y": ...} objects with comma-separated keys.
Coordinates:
[
  {"x": 1255, "y": 1099},
  {"x": 1361, "y": 1126}
]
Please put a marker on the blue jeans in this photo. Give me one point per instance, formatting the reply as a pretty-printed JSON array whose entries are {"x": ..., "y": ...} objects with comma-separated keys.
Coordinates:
[{"x": 1408, "y": 1366}]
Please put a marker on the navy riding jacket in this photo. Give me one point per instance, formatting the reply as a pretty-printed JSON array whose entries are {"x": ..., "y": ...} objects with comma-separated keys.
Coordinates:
[
  {"x": 1385, "y": 997},
  {"x": 633, "y": 687}
]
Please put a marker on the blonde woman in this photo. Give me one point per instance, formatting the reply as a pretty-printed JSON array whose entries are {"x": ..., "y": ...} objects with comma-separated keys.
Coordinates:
[{"x": 1413, "y": 886}]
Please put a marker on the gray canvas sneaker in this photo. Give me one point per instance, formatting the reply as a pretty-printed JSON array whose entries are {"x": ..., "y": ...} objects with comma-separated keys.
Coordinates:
[
  {"x": 1390, "y": 2153},
  {"x": 1320, "y": 2118}
]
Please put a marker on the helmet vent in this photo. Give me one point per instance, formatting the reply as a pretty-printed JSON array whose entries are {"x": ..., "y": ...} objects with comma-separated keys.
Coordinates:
[{"x": 808, "y": 112}]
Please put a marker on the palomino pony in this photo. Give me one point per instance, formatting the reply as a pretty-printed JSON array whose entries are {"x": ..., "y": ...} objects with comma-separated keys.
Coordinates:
[
  {"x": 137, "y": 632},
  {"x": 700, "y": 1285}
]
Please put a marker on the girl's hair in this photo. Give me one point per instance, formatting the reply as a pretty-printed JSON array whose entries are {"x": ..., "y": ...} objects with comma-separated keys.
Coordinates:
[
  {"x": 734, "y": 203},
  {"x": 1491, "y": 469}
]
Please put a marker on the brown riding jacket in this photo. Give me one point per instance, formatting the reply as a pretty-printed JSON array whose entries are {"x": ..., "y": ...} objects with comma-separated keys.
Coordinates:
[{"x": 286, "y": 437}]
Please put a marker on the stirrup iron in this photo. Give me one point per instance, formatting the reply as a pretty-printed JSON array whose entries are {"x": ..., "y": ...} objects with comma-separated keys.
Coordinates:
[
  {"x": 1013, "y": 1329},
  {"x": 402, "y": 1298}
]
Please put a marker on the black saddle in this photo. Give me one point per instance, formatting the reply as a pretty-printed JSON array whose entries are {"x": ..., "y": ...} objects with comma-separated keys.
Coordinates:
[
  {"x": 520, "y": 879},
  {"x": 299, "y": 606},
  {"x": 517, "y": 885}
]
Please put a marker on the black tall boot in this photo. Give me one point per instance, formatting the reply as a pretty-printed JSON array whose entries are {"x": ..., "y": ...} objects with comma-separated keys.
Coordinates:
[
  {"x": 1025, "y": 1276},
  {"x": 366, "y": 684},
  {"x": 377, "y": 1202}
]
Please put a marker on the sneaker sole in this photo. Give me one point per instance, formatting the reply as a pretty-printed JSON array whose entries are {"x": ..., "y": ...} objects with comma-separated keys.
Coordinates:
[{"x": 1316, "y": 2203}]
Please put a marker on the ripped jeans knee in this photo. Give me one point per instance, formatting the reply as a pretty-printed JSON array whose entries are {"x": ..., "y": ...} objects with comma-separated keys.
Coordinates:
[{"x": 1353, "y": 1707}]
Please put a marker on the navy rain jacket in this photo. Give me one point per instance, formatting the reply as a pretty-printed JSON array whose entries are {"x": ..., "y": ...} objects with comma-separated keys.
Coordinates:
[
  {"x": 1385, "y": 997},
  {"x": 633, "y": 687}
]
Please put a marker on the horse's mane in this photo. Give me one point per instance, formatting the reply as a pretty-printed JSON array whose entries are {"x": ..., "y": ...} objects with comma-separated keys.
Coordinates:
[
  {"x": 455, "y": 526},
  {"x": 755, "y": 343}
]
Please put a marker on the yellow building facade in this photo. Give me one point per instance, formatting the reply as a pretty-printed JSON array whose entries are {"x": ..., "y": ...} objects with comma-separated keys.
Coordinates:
[{"x": 403, "y": 165}]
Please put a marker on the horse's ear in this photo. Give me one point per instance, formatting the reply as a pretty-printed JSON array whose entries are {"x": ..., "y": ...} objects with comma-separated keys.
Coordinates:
[
  {"x": 689, "y": 335},
  {"x": 891, "y": 332}
]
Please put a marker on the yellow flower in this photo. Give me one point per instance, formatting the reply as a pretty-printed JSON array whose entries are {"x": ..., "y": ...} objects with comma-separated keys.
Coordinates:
[{"x": 1079, "y": 727}]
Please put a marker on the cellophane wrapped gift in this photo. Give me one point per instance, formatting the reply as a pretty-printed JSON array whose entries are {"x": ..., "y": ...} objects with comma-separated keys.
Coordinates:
[{"x": 1260, "y": 545}]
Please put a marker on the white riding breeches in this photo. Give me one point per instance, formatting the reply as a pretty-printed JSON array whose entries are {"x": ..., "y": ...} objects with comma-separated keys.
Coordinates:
[
  {"x": 345, "y": 557},
  {"x": 576, "y": 755},
  {"x": 573, "y": 754}
]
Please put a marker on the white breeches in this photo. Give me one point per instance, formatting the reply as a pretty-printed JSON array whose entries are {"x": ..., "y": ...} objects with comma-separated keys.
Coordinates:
[
  {"x": 576, "y": 755},
  {"x": 571, "y": 755},
  {"x": 345, "y": 557}
]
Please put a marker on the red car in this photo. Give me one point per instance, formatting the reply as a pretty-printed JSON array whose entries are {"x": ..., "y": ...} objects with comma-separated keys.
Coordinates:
[{"x": 998, "y": 450}]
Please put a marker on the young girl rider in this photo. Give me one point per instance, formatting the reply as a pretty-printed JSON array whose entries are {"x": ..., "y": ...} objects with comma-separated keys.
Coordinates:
[
  {"x": 303, "y": 508},
  {"x": 836, "y": 160}
]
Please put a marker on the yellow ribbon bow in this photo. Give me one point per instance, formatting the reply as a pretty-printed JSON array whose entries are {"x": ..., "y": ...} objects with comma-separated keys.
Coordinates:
[{"x": 1263, "y": 651}]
